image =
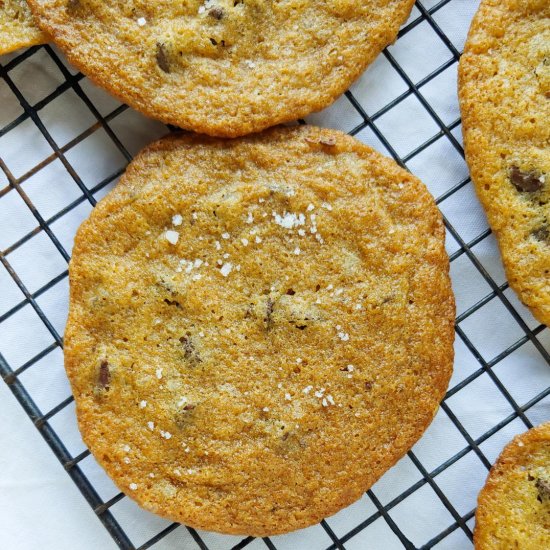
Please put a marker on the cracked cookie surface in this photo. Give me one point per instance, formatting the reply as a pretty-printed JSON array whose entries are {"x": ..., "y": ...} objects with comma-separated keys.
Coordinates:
[
  {"x": 504, "y": 92},
  {"x": 17, "y": 27},
  {"x": 223, "y": 67},
  {"x": 514, "y": 505},
  {"x": 259, "y": 328}
]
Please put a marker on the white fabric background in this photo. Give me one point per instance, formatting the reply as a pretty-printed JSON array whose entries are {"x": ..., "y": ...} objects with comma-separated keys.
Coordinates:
[{"x": 39, "y": 505}]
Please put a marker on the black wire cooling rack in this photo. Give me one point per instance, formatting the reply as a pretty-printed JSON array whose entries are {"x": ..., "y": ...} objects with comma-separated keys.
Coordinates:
[{"x": 380, "y": 512}]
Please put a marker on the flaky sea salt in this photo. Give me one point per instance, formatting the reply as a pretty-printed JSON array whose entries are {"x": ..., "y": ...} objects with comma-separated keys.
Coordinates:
[
  {"x": 226, "y": 268},
  {"x": 172, "y": 236},
  {"x": 289, "y": 220},
  {"x": 177, "y": 219}
]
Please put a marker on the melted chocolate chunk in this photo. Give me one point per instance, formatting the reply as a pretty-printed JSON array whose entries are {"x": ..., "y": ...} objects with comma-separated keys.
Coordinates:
[
  {"x": 268, "y": 314},
  {"x": 189, "y": 351},
  {"x": 525, "y": 182},
  {"x": 216, "y": 12},
  {"x": 542, "y": 234},
  {"x": 543, "y": 487},
  {"x": 185, "y": 416},
  {"x": 162, "y": 57},
  {"x": 104, "y": 375},
  {"x": 172, "y": 302}
]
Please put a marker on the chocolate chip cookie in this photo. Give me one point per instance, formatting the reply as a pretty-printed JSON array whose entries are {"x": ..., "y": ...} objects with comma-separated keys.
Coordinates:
[
  {"x": 514, "y": 506},
  {"x": 504, "y": 90},
  {"x": 223, "y": 67},
  {"x": 259, "y": 328},
  {"x": 17, "y": 28}
]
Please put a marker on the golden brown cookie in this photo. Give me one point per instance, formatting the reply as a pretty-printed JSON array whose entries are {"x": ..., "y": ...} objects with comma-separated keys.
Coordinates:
[
  {"x": 504, "y": 91},
  {"x": 17, "y": 28},
  {"x": 259, "y": 328},
  {"x": 223, "y": 67},
  {"x": 514, "y": 506}
]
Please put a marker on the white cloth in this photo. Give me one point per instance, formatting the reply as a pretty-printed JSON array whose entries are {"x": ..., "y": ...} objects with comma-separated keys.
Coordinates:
[{"x": 39, "y": 505}]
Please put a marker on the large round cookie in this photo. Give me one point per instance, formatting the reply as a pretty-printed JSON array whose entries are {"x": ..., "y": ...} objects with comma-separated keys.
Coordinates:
[
  {"x": 504, "y": 92},
  {"x": 223, "y": 67},
  {"x": 258, "y": 328},
  {"x": 17, "y": 28},
  {"x": 514, "y": 506}
]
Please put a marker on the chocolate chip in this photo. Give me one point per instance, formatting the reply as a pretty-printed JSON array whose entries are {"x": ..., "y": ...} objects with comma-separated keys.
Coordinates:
[
  {"x": 189, "y": 407},
  {"x": 543, "y": 487},
  {"x": 216, "y": 12},
  {"x": 525, "y": 182},
  {"x": 104, "y": 375},
  {"x": 542, "y": 234},
  {"x": 172, "y": 302},
  {"x": 368, "y": 386},
  {"x": 162, "y": 57}
]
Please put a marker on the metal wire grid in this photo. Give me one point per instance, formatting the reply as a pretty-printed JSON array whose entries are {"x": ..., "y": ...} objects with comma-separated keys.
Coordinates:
[{"x": 42, "y": 420}]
